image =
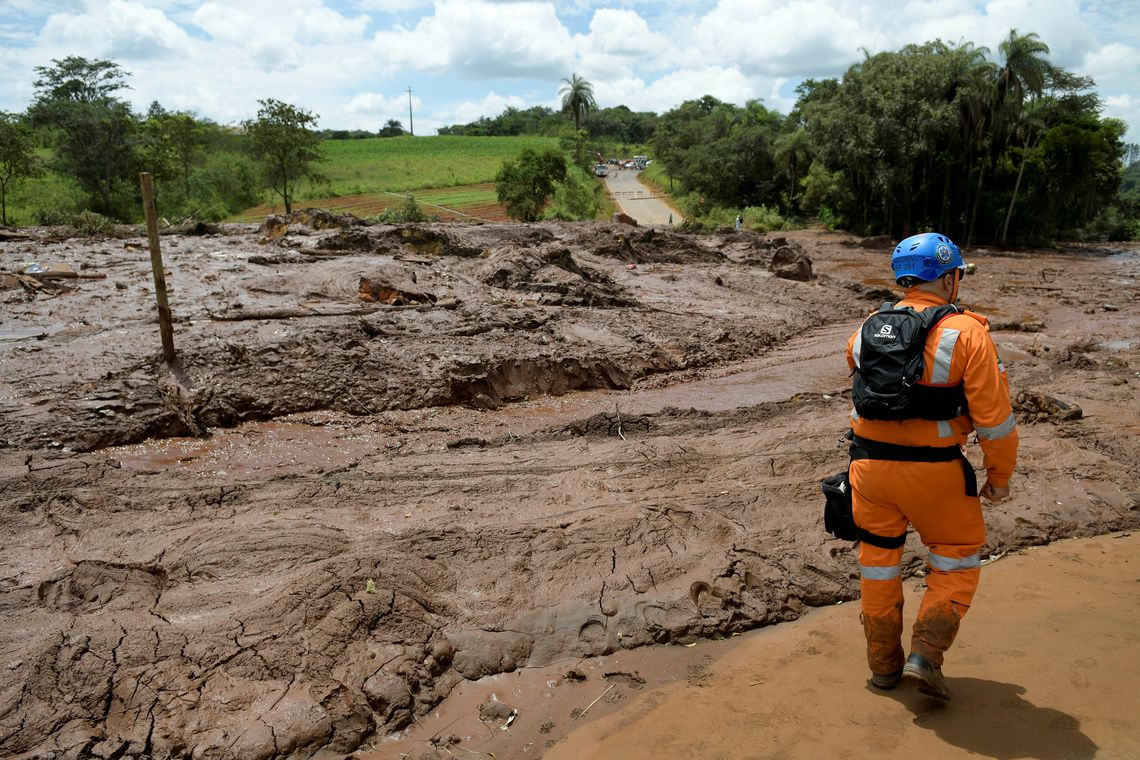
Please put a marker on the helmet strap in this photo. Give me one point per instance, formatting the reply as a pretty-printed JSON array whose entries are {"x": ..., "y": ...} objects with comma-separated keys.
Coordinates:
[{"x": 953, "y": 294}]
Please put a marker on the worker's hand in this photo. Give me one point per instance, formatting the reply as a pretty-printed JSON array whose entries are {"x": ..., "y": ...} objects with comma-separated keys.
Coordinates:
[{"x": 994, "y": 494}]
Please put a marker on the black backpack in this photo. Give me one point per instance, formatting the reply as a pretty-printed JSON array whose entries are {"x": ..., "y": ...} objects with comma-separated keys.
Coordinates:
[{"x": 890, "y": 365}]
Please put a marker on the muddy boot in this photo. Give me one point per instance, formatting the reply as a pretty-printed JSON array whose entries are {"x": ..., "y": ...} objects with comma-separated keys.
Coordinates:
[
  {"x": 928, "y": 675},
  {"x": 887, "y": 681}
]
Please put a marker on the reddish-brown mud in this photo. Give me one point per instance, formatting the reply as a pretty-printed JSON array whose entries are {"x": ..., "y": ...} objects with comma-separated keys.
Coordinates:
[{"x": 392, "y": 460}]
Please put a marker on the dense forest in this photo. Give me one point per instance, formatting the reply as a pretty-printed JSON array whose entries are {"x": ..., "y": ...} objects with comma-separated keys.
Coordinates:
[
  {"x": 987, "y": 147},
  {"x": 933, "y": 136}
]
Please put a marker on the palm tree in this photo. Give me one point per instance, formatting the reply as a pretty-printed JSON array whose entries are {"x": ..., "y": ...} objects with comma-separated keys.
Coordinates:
[
  {"x": 1025, "y": 71},
  {"x": 1023, "y": 75},
  {"x": 1031, "y": 125},
  {"x": 791, "y": 150},
  {"x": 972, "y": 80},
  {"x": 577, "y": 98}
]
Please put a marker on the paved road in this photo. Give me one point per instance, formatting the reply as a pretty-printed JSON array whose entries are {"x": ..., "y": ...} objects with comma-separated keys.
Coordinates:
[{"x": 637, "y": 200}]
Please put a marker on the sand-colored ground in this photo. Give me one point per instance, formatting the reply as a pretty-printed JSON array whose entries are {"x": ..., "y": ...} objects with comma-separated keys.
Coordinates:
[{"x": 1047, "y": 666}]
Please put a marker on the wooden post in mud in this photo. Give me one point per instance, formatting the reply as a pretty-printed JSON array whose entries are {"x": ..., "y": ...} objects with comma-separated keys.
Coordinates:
[{"x": 165, "y": 325}]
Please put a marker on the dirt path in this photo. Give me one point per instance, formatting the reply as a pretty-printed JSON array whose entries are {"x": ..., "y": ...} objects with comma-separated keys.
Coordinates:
[
  {"x": 438, "y": 453},
  {"x": 640, "y": 202},
  {"x": 1045, "y": 667}
]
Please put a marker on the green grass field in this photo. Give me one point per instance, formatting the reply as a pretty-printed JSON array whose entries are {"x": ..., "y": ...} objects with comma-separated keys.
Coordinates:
[
  {"x": 452, "y": 172},
  {"x": 451, "y": 176},
  {"x": 471, "y": 202},
  {"x": 415, "y": 163}
]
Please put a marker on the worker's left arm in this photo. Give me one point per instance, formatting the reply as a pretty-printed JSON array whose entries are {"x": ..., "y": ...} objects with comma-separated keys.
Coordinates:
[{"x": 987, "y": 393}]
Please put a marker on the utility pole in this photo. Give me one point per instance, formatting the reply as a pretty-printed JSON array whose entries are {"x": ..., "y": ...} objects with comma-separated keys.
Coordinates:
[{"x": 411, "y": 124}]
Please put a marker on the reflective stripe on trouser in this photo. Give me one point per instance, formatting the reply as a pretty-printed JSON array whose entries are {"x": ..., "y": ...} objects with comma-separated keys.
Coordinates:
[{"x": 931, "y": 496}]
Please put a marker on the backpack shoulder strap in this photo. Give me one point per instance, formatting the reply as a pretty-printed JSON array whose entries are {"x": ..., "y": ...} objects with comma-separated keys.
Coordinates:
[{"x": 935, "y": 314}]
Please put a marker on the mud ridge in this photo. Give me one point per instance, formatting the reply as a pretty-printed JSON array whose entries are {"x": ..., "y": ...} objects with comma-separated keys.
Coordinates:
[{"x": 314, "y": 581}]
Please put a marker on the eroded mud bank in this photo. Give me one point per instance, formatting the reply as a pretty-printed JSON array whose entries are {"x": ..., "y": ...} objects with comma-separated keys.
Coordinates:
[{"x": 419, "y": 512}]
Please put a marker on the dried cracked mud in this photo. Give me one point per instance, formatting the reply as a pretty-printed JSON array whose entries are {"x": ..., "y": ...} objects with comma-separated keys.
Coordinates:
[{"x": 391, "y": 459}]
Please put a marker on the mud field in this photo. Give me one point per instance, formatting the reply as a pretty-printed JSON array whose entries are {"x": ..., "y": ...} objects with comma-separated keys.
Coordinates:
[{"x": 392, "y": 459}]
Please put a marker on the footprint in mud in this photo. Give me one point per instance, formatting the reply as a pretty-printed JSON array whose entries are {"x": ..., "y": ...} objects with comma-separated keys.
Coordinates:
[
  {"x": 593, "y": 630},
  {"x": 632, "y": 680}
]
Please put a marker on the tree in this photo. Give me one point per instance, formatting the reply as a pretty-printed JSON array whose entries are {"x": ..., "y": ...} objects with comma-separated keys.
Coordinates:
[
  {"x": 17, "y": 157},
  {"x": 525, "y": 185},
  {"x": 173, "y": 144},
  {"x": 96, "y": 131},
  {"x": 1023, "y": 74},
  {"x": 392, "y": 129},
  {"x": 578, "y": 98},
  {"x": 791, "y": 151},
  {"x": 283, "y": 139}
]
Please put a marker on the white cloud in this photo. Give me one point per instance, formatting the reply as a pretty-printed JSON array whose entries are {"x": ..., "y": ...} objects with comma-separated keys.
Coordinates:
[
  {"x": 120, "y": 30},
  {"x": 1115, "y": 67},
  {"x": 491, "y": 105},
  {"x": 475, "y": 39},
  {"x": 471, "y": 58},
  {"x": 623, "y": 33},
  {"x": 670, "y": 90},
  {"x": 807, "y": 37}
]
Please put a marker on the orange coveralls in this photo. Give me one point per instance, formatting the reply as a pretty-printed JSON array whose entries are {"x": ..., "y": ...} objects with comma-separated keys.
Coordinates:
[{"x": 931, "y": 496}]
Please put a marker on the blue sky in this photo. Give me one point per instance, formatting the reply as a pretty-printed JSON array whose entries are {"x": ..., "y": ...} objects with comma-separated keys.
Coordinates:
[{"x": 351, "y": 61}]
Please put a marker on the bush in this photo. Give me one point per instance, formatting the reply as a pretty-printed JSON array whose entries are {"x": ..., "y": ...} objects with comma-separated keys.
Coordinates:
[
  {"x": 89, "y": 223},
  {"x": 408, "y": 211},
  {"x": 576, "y": 198},
  {"x": 830, "y": 219},
  {"x": 764, "y": 219},
  {"x": 525, "y": 184}
]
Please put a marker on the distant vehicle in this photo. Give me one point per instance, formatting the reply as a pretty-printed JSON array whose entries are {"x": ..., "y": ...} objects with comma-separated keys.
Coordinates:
[
  {"x": 641, "y": 161},
  {"x": 600, "y": 170}
]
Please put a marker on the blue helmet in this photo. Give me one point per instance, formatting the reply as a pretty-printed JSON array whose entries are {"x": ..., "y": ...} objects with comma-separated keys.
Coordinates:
[{"x": 926, "y": 257}]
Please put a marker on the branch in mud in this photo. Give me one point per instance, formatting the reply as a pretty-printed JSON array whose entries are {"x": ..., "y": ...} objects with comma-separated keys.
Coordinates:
[{"x": 291, "y": 312}]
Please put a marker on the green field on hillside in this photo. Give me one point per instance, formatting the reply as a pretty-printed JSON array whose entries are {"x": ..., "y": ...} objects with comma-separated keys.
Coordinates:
[
  {"x": 476, "y": 202},
  {"x": 415, "y": 163}
]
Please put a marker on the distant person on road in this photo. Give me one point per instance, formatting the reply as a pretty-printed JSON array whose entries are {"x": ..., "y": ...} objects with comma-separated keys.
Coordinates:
[
  {"x": 907, "y": 465},
  {"x": 670, "y": 220},
  {"x": 739, "y": 221}
]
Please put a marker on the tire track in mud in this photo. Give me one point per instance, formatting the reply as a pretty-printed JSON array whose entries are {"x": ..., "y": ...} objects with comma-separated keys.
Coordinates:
[
  {"x": 200, "y": 611},
  {"x": 669, "y": 556}
]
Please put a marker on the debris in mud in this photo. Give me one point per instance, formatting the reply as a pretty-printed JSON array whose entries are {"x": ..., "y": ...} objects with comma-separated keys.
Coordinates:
[
  {"x": 491, "y": 711},
  {"x": 875, "y": 243},
  {"x": 1035, "y": 406},
  {"x": 553, "y": 271},
  {"x": 621, "y": 218},
  {"x": 435, "y": 242},
  {"x": 302, "y": 222},
  {"x": 573, "y": 676},
  {"x": 615, "y": 424},
  {"x": 791, "y": 263},
  {"x": 396, "y": 287},
  {"x": 1017, "y": 326}
]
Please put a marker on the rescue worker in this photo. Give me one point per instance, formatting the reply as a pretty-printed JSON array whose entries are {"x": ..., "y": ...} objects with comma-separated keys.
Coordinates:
[{"x": 895, "y": 481}]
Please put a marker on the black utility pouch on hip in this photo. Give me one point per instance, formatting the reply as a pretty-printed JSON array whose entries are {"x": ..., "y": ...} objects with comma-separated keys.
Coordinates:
[{"x": 837, "y": 517}]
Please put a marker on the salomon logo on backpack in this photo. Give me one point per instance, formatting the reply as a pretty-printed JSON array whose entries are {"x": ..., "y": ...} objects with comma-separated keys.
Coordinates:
[{"x": 889, "y": 364}]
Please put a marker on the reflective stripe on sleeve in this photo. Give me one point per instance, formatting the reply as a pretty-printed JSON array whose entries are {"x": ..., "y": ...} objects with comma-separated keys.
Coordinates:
[
  {"x": 875, "y": 573},
  {"x": 950, "y": 564},
  {"x": 943, "y": 356},
  {"x": 857, "y": 348},
  {"x": 997, "y": 431}
]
